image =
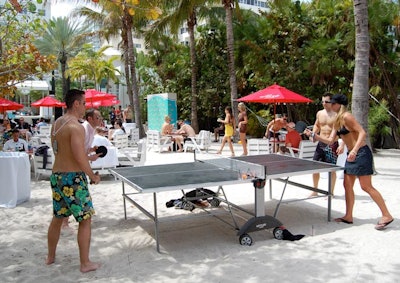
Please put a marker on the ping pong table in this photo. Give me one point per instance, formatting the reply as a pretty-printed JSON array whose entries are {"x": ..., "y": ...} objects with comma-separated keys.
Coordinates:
[{"x": 211, "y": 172}]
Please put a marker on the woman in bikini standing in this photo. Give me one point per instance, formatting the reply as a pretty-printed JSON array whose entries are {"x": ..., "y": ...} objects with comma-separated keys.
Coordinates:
[
  {"x": 229, "y": 123},
  {"x": 242, "y": 125},
  {"x": 359, "y": 160}
]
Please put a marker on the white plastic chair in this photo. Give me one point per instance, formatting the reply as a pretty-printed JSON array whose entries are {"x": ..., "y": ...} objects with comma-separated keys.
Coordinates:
[
  {"x": 133, "y": 156},
  {"x": 44, "y": 131},
  {"x": 259, "y": 146},
  {"x": 121, "y": 141},
  {"x": 154, "y": 139},
  {"x": 305, "y": 151},
  {"x": 38, "y": 164},
  {"x": 202, "y": 141}
]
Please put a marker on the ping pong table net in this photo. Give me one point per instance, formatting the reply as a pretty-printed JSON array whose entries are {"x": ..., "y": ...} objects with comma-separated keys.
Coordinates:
[{"x": 245, "y": 170}]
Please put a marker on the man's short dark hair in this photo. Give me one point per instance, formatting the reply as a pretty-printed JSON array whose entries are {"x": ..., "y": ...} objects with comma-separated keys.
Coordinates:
[
  {"x": 72, "y": 96},
  {"x": 327, "y": 94}
]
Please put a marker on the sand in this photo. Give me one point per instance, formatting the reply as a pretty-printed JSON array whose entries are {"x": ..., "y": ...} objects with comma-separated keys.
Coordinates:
[{"x": 204, "y": 249}]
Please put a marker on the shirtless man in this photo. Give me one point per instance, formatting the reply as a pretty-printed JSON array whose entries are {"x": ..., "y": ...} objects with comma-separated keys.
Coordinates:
[
  {"x": 93, "y": 120},
  {"x": 128, "y": 114},
  {"x": 273, "y": 128},
  {"x": 186, "y": 130},
  {"x": 69, "y": 183},
  {"x": 323, "y": 126},
  {"x": 167, "y": 130}
]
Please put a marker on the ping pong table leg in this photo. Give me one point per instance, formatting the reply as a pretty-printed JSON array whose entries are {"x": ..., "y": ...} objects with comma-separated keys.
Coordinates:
[
  {"x": 280, "y": 200},
  {"x": 329, "y": 195},
  {"x": 260, "y": 221},
  {"x": 259, "y": 200},
  {"x": 270, "y": 188},
  {"x": 123, "y": 197},
  {"x": 156, "y": 221}
]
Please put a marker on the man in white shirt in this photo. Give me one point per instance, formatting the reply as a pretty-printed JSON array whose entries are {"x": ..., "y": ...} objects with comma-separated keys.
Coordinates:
[
  {"x": 15, "y": 143},
  {"x": 93, "y": 120}
]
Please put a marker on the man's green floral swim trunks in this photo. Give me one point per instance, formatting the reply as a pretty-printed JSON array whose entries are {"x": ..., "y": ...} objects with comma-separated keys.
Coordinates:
[{"x": 71, "y": 195}]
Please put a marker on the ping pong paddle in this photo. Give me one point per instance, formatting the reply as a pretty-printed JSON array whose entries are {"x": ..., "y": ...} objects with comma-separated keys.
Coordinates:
[{"x": 102, "y": 150}]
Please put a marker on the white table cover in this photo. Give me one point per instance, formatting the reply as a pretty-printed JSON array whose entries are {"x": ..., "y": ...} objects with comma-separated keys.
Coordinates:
[
  {"x": 15, "y": 176},
  {"x": 108, "y": 161}
]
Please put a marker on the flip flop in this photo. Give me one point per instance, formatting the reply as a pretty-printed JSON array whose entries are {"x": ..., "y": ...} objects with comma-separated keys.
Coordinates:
[
  {"x": 343, "y": 221},
  {"x": 382, "y": 226}
]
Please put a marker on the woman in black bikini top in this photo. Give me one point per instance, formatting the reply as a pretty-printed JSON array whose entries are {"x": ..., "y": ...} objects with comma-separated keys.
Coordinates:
[
  {"x": 359, "y": 163},
  {"x": 343, "y": 131}
]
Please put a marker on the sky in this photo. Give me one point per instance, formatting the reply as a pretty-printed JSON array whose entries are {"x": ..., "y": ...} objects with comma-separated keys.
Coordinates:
[{"x": 60, "y": 9}]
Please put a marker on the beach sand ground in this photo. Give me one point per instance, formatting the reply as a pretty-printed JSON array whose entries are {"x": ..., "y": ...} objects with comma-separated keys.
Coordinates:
[{"x": 198, "y": 249}]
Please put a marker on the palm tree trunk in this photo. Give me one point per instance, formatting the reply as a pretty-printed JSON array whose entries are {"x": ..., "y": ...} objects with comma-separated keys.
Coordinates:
[
  {"x": 133, "y": 92},
  {"x": 360, "y": 104},
  {"x": 192, "y": 45},
  {"x": 63, "y": 63},
  {"x": 229, "y": 5}
]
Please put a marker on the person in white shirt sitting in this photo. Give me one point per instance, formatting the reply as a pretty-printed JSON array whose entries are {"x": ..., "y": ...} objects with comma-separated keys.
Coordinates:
[
  {"x": 118, "y": 130},
  {"x": 15, "y": 143}
]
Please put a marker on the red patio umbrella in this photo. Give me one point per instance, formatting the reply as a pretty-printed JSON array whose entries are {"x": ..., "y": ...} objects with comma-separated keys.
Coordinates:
[
  {"x": 104, "y": 103},
  {"x": 48, "y": 101},
  {"x": 92, "y": 95},
  {"x": 275, "y": 94},
  {"x": 6, "y": 105}
]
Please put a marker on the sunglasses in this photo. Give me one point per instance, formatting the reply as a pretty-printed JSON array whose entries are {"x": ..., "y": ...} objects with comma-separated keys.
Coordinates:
[{"x": 323, "y": 102}]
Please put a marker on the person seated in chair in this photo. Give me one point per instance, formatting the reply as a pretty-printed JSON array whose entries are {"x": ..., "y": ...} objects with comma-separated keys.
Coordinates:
[
  {"x": 186, "y": 130},
  {"x": 42, "y": 122},
  {"x": 15, "y": 143},
  {"x": 167, "y": 130},
  {"x": 293, "y": 138},
  {"x": 219, "y": 131},
  {"x": 25, "y": 128},
  {"x": 118, "y": 130},
  {"x": 275, "y": 126}
]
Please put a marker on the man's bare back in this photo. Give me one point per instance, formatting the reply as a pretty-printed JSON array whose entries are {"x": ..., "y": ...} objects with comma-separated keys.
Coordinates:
[
  {"x": 70, "y": 136},
  {"x": 277, "y": 124}
]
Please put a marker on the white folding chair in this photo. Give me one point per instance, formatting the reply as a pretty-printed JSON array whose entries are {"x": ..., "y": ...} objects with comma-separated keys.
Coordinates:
[
  {"x": 38, "y": 166},
  {"x": 154, "y": 139},
  {"x": 259, "y": 146},
  {"x": 305, "y": 151},
  {"x": 44, "y": 131},
  {"x": 121, "y": 141},
  {"x": 131, "y": 157}
]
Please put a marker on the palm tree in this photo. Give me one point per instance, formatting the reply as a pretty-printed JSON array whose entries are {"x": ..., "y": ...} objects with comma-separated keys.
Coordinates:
[
  {"x": 178, "y": 12},
  {"x": 228, "y": 6},
  {"x": 120, "y": 20},
  {"x": 93, "y": 66},
  {"x": 64, "y": 40},
  {"x": 360, "y": 105}
]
